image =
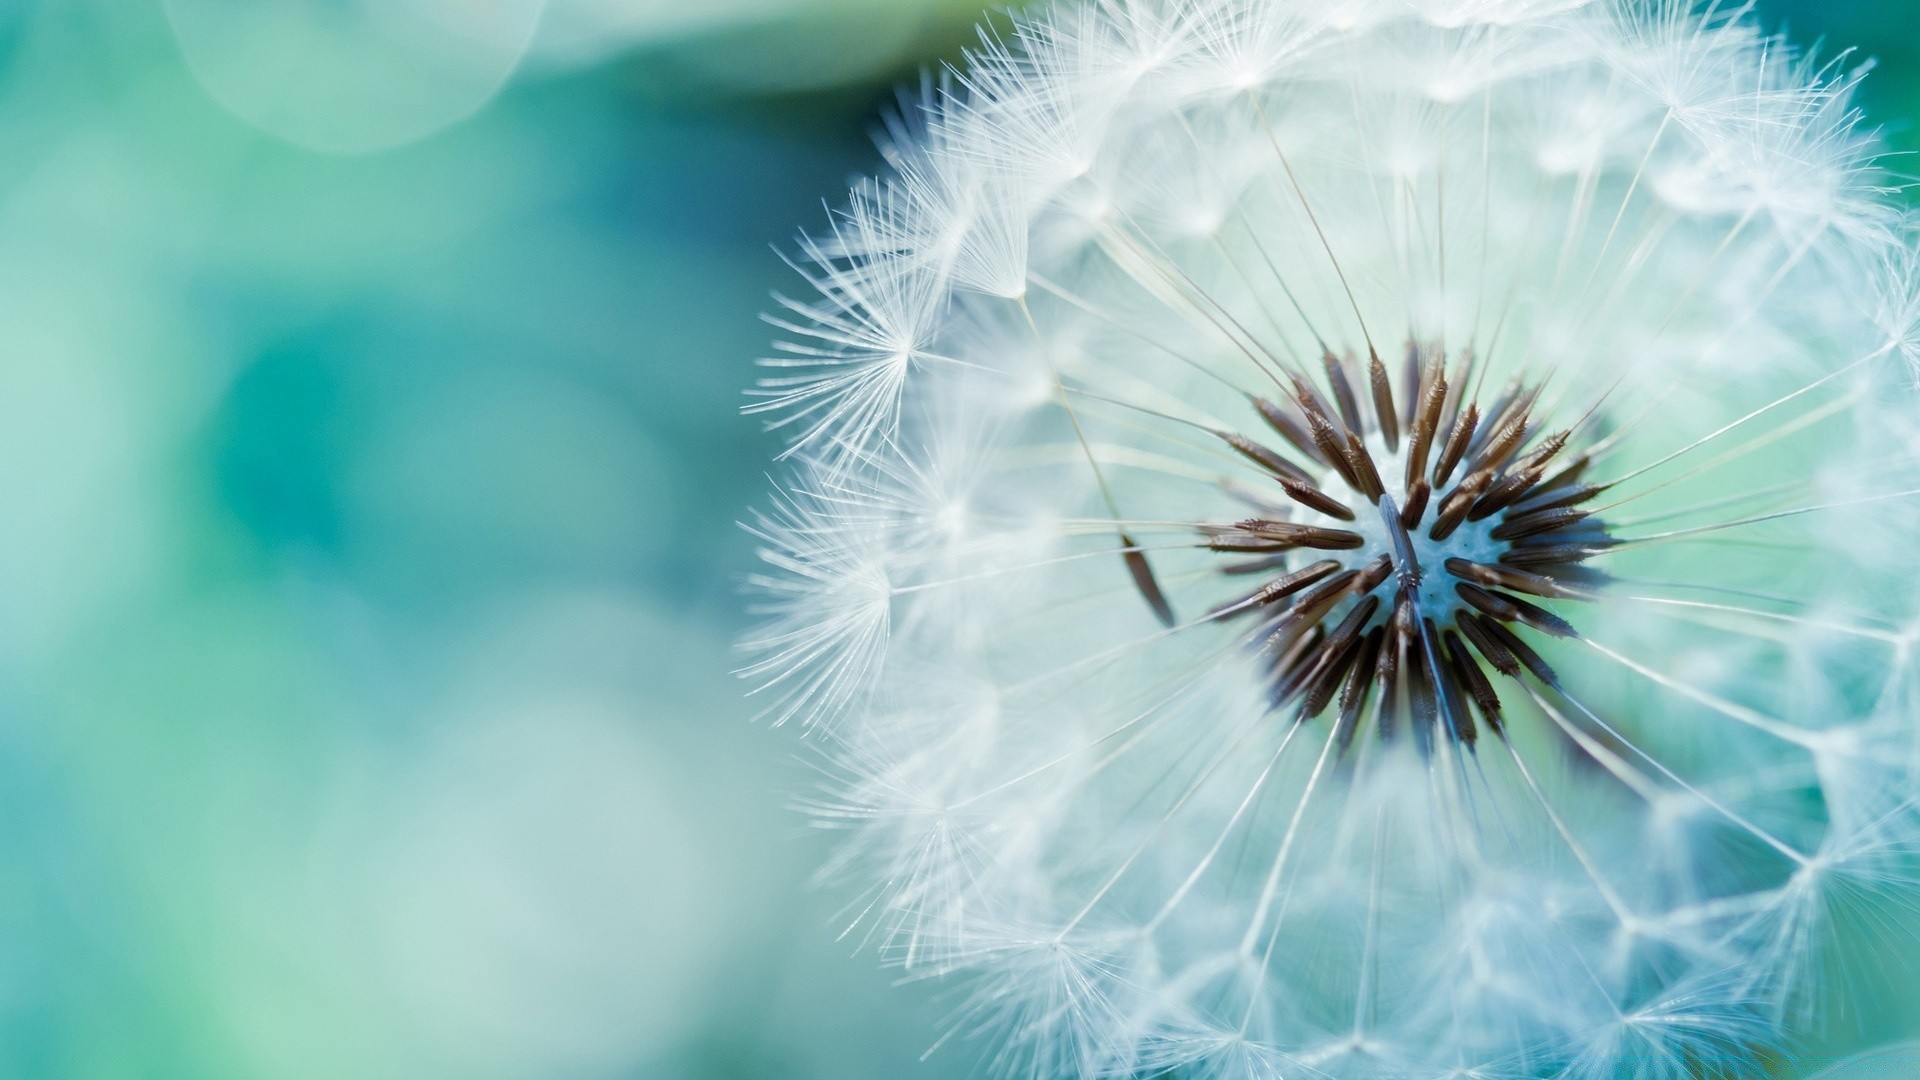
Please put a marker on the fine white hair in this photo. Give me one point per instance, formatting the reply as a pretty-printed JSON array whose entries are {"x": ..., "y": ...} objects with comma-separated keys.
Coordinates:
[{"x": 1029, "y": 402}]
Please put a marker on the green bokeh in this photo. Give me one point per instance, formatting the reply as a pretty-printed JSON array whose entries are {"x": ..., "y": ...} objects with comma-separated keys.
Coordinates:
[{"x": 368, "y": 566}]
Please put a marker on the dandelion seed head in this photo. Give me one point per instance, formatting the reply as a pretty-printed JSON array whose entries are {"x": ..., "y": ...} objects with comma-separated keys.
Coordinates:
[{"x": 1361, "y": 538}]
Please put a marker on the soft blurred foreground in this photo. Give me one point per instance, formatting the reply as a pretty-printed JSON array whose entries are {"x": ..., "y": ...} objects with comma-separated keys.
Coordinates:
[{"x": 369, "y": 463}]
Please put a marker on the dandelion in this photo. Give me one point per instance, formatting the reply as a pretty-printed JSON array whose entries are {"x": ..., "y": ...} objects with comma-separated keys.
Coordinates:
[{"x": 1364, "y": 538}]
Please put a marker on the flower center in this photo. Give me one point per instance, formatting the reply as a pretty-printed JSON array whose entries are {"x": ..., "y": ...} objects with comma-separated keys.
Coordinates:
[{"x": 1408, "y": 543}]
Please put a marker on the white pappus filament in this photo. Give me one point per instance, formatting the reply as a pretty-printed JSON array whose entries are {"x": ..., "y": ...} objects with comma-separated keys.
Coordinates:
[{"x": 1363, "y": 538}]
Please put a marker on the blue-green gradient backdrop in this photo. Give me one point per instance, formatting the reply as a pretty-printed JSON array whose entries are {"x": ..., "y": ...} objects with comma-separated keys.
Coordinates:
[{"x": 369, "y": 463}]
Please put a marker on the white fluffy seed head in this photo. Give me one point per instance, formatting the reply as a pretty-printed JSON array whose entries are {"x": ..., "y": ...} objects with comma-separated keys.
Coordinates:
[{"x": 1140, "y": 709}]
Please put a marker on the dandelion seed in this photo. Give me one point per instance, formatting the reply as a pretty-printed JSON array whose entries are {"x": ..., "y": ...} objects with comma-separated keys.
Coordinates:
[{"x": 1364, "y": 539}]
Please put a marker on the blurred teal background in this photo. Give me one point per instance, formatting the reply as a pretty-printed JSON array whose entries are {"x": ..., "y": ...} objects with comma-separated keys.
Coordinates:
[{"x": 369, "y": 463}]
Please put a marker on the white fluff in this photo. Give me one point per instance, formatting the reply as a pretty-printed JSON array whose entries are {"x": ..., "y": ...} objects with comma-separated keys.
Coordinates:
[{"x": 1094, "y": 243}]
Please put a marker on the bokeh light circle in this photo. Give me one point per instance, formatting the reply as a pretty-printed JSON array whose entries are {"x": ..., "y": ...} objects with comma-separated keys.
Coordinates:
[{"x": 353, "y": 76}]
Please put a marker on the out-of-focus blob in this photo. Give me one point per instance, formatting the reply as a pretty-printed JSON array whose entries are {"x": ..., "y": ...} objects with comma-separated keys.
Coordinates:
[
  {"x": 88, "y": 407},
  {"x": 523, "y": 891},
  {"x": 353, "y": 76},
  {"x": 530, "y": 871},
  {"x": 753, "y": 46},
  {"x": 508, "y": 475},
  {"x": 532, "y": 884},
  {"x": 584, "y": 32}
]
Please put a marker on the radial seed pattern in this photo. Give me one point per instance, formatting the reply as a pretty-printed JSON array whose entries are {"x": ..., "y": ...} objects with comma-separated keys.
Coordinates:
[
  {"x": 1364, "y": 538},
  {"x": 1439, "y": 546}
]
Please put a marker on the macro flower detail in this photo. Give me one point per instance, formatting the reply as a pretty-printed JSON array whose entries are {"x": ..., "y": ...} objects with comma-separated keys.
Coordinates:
[
  {"x": 1364, "y": 538},
  {"x": 1477, "y": 521}
]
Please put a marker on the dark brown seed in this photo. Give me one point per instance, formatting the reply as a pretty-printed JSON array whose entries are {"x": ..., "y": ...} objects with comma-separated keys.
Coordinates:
[
  {"x": 1354, "y": 624},
  {"x": 1453, "y": 508},
  {"x": 1421, "y": 701},
  {"x": 1550, "y": 554},
  {"x": 1496, "y": 414},
  {"x": 1446, "y": 689},
  {"x": 1297, "y": 535},
  {"x": 1512, "y": 396},
  {"x": 1568, "y": 473},
  {"x": 1333, "y": 448},
  {"x": 1287, "y": 426},
  {"x": 1426, "y": 422},
  {"x": 1301, "y": 649},
  {"x": 1342, "y": 392},
  {"x": 1388, "y": 717},
  {"x": 1513, "y": 609},
  {"x": 1543, "y": 620},
  {"x": 1281, "y": 588},
  {"x": 1299, "y": 671},
  {"x": 1540, "y": 456},
  {"x": 1288, "y": 636},
  {"x": 1456, "y": 447},
  {"x": 1546, "y": 498},
  {"x": 1403, "y": 617},
  {"x": 1473, "y": 624},
  {"x": 1514, "y": 404},
  {"x": 1317, "y": 690},
  {"x": 1416, "y": 507},
  {"x": 1293, "y": 664},
  {"x": 1387, "y": 679},
  {"x": 1336, "y": 655},
  {"x": 1144, "y": 581},
  {"x": 1521, "y": 651},
  {"x": 1507, "y": 577},
  {"x": 1314, "y": 603},
  {"x": 1363, "y": 470},
  {"x": 1502, "y": 443},
  {"x": 1373, "y": 575},
  {"x": 1468, "y": 674},
  {"x": 1278, "y": 589},
  {"x": 1457, "y": 381},
  {"x": 1313, "y": 498},
  {"x": 1333, "y": 650},
  {"x": 1494, "y": 604},
  {"x": 1431, "y": 663},
  {"x": 1310, "y": 402},
  {"x": 1411, "y": 390},
  {"x": 1400, "y": 545},
  {"x": 1263, "y": 457},
  {"x": 1359, "y": 685},
  {"x": 1383, "y": 406},
  {"x": 1509, "y": 488},
  {"x": 1522, "y": 526}
]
